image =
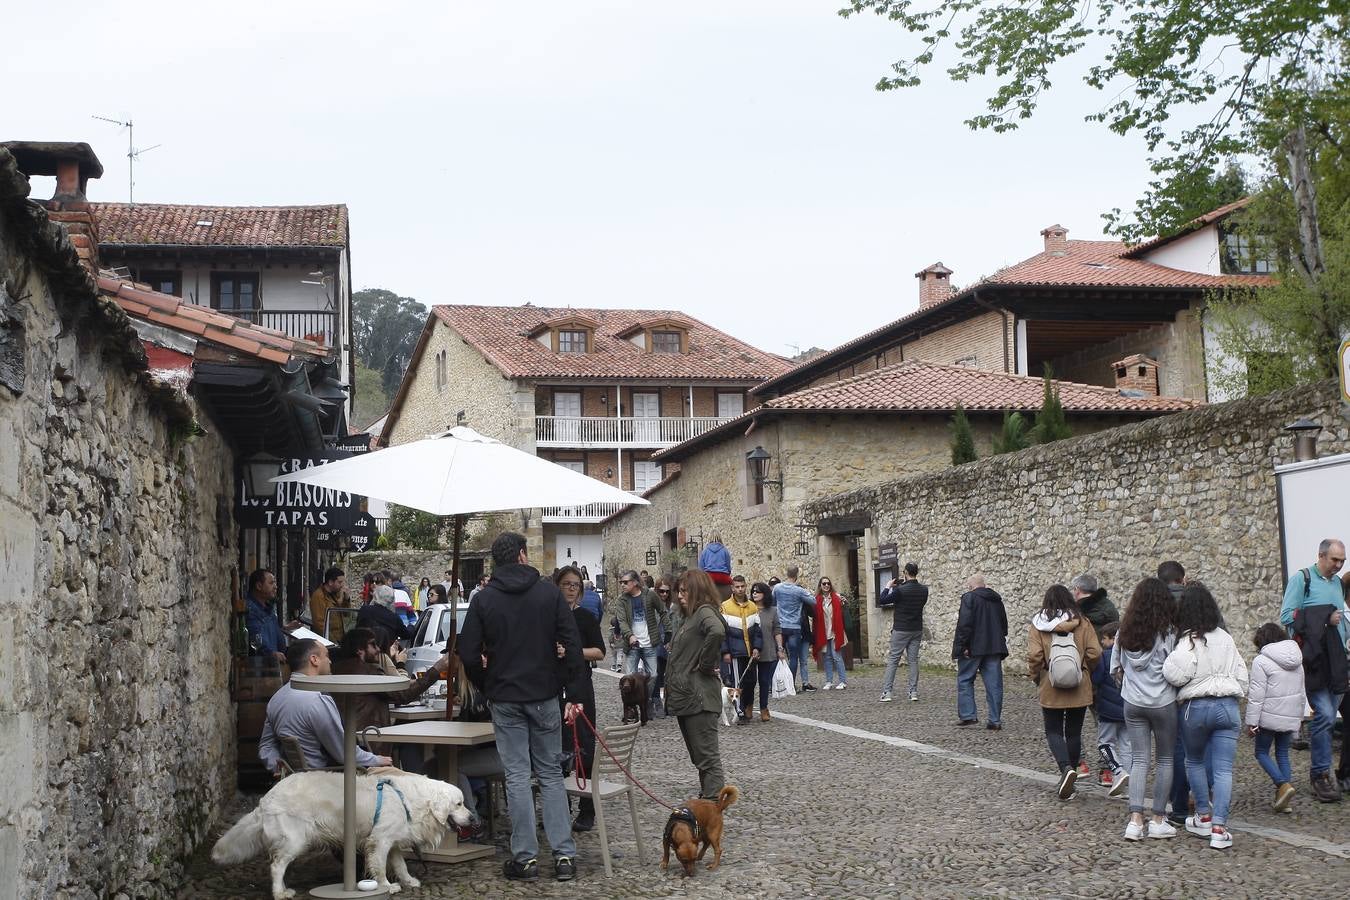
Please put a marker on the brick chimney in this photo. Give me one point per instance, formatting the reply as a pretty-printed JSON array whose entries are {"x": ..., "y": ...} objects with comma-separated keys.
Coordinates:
[
  {"x": 1137, "y": 372},
  {"x": 73, "y": 164},
  {"x": 1056, "y": 240},
  {"x": 935, "y": 285}
]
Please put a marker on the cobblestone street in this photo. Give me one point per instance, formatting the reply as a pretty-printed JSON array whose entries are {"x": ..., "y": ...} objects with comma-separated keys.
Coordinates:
[{"x": 843, "y": 796}]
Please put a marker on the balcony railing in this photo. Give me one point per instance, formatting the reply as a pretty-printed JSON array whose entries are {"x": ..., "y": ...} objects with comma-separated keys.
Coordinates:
[
  {"x": 591, "y": 512},
  {"x": 616, "y": 431},
  {"x": 317, "y": 325}
]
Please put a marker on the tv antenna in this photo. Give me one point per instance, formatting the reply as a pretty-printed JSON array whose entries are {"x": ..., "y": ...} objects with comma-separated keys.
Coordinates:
[{"x": 133, "y": 154}]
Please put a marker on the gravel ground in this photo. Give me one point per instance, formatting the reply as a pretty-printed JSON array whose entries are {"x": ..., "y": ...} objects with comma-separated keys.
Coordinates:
[{"x": 845, "y": 815}]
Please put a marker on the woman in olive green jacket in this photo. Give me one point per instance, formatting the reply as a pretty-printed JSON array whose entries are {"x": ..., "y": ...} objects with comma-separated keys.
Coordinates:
[{"x": 693, "y": 682}]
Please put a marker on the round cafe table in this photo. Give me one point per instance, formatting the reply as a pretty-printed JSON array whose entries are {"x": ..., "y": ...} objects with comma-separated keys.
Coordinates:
[{"x": 345, "y": 687}]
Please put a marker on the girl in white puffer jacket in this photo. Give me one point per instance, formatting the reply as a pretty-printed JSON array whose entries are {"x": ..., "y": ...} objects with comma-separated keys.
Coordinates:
[{"x": 1275, "y": 704}]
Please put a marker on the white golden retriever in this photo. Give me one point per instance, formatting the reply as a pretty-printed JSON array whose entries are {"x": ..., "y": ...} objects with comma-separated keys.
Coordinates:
[{"x": 304, "y": 811}]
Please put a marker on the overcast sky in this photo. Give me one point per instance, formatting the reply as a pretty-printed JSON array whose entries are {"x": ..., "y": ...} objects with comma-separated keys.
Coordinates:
[{"x": 731, "y": 160}]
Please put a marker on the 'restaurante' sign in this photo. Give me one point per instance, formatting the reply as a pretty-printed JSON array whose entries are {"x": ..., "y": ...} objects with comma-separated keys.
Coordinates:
[{"x": 299, "y": 505}]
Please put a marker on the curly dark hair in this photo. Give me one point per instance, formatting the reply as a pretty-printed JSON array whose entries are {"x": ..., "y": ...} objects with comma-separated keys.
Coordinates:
[
  {"x": 1269, "y": 633},
  {"x": 1151, "y": 614},
  {"x": 1059, "y": 601},
  {"x": 1197, "y": 613}
]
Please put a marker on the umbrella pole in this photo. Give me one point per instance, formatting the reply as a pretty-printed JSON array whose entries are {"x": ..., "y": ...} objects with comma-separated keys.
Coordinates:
[{"x": 452, "y": 677}]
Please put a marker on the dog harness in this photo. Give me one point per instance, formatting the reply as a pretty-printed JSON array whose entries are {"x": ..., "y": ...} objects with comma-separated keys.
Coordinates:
[
  {"x": 379, "y": 799},
  {"x": 683, "y": 814}
]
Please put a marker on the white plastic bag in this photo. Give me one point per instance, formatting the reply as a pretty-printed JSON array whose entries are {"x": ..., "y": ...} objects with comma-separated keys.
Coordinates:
[{"x": 783, "y": 682}]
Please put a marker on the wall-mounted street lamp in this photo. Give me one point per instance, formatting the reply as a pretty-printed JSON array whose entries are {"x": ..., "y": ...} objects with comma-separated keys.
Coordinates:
[
  {"x": 803, "y": 546},
  {"x": 759, "y": 459},
  {"x": 694, "y": 544},
  {"x": 651, "y": 556},
  {"x": 259, "y": 470},
  {"x": 1305, "y": 438}
]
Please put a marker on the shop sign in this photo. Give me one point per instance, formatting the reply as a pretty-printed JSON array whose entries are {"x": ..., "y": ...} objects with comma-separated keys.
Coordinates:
[{"x": 299, "y": 505}]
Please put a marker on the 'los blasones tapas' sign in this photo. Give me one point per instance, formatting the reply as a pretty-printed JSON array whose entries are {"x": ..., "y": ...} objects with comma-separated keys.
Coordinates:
[{"x": 299, "y": 505}]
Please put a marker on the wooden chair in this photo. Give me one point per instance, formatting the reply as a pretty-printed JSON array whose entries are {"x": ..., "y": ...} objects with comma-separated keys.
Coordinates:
[
  {"x": 294, "y": 757},
  {"x": 608, "y": 781}
]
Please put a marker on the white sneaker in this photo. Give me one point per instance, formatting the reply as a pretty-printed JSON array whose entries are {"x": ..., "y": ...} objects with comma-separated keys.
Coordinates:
[
  {"x": 826, "y": 686},
  {"x": 1161, "y": 830},
  {"x": 1119, "y": 784},
  {"x": 1220, "y": 840},
  {"x": 841, "y": 685},
  {"x": 1199, "y": 827},
  {"x": 914, "y": 697},
  {"x": 1134, "y": 832},
  {"x": 886, "y": 697}
]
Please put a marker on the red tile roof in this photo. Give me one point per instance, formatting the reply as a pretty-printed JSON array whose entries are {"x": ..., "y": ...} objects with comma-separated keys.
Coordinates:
[
  {"x": 206, "y": 324},
  {"x": 501, "y": 334},
  {"x": 1195, "y": 224},
  {"x": 1084, "y": 264},
  {"x": 925, "y": 387},
  {"x": 918, "y": 386},
  {"x": 229, "y": 226}
]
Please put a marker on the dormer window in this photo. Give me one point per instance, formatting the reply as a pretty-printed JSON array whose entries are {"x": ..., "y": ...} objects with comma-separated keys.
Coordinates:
[
  {"x": 572, "y": 341},
  {"x": 666, "y": 342},
  {"x": 1246, "y": 255}
]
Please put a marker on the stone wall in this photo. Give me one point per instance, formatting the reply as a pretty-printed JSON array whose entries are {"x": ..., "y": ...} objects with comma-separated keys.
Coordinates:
[
  {"x": 116, "y": 727},
  {"x": 815, "y": 456},
  {"x": 1198, "y": 487}
]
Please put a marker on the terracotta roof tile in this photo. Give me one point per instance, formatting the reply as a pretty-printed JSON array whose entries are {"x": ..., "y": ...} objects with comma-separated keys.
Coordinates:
[
  {"x": 206, "y": 324},
  {"x": 229, "y": 226},
  {"x": 924, "y": 387},
  {"x": 918, "y": 386},
  {"x": 501, "y": 333},
  {"x": 1208, "y": 218}
]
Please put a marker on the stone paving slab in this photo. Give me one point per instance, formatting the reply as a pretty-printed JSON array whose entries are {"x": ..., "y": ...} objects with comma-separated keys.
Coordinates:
[{"x": 830, "y": 814}]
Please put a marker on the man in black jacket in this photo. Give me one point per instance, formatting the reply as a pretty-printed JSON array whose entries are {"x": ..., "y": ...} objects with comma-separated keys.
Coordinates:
[
  {"x": 516, "y": 624},
  {"x": 981, "y": 645},
  {"x": 907, "y": 597}
]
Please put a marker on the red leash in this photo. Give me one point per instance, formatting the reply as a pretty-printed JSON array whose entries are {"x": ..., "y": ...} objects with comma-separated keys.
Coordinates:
[{"x": 577, "y": 743}]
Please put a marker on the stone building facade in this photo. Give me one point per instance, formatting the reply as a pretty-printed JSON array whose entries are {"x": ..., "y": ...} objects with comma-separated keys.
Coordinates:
[
  {"x": 116, "y": 553},
  {"x": 1197, "y": 487}
]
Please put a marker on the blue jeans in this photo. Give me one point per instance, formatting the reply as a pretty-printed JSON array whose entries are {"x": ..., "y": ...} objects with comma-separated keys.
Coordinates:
[
  {"x": 832, "y": 662},
  {"x": 1209, "y": 725},
  {"x": 648, "y": 657},
  {"x": 529, "y": 738},
  {"x": 1324, "y": 704},
  {"x": 990, "y": 669},
  {"x": 906, "y": 644},
  {"x": 1277, "y": 768},
  {"x": 798, "y": 651}
]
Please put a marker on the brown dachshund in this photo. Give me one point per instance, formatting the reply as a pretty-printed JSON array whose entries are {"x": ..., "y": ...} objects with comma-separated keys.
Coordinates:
[
  {"x": 633, "y": 691},
  {"x": 694, "y": 828}
]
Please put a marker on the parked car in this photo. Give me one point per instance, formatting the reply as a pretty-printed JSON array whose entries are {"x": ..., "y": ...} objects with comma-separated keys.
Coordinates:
[{"x": 433, "y": 631}]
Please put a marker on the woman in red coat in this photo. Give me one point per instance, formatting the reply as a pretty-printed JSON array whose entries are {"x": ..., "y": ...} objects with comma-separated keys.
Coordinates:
[{"x": 830, "y": 639}]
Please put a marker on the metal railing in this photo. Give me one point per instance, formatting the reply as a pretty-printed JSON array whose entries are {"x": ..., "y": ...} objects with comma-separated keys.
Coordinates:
[
  {"x": 616, "y": 431},
  {"x": 317, "y": 325}
]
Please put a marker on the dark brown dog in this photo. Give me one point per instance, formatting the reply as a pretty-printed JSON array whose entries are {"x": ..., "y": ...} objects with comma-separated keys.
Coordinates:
[
  {"x": 691, "y": 841},
  {"x": 633, "y": 691}
]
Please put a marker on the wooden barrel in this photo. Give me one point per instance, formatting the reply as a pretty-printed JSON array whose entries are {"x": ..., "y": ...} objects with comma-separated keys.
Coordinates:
[{"x": 256, "y": 679}]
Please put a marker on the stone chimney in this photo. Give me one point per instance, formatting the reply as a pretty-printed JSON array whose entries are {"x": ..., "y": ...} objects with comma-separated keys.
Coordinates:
[
  {"x": 73, "y": 164},
  {"x": 1056, "y": 240},
  {"x": 935, "y": 285},
  {"x": 1137, "y": 373}
]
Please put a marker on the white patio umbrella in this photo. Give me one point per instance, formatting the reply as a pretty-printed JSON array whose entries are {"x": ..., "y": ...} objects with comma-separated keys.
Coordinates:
[{"x": 458, "y": 473}]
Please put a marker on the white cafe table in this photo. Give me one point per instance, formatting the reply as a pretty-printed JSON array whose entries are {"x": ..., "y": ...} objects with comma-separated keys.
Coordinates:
[
  {"x": 416, "y": 713},
  {"x": 446, "y": 738},
  {"x": 346, "y": 687}
]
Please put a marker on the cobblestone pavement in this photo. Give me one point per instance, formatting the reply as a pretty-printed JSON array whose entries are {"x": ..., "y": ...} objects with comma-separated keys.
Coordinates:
[{"x": 967, "y": 812}]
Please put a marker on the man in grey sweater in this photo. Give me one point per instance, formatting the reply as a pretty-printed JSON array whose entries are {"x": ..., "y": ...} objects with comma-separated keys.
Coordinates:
[{"x": 308, "y": 716}]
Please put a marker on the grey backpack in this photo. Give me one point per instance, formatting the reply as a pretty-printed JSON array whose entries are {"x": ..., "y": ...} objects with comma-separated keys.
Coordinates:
[{"x": 1065, "y": 665}]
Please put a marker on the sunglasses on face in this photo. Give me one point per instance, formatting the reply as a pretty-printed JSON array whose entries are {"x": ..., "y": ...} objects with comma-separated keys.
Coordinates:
[
  {"x": 570, "y": 584},
  {"x": 662, "y": 591}
]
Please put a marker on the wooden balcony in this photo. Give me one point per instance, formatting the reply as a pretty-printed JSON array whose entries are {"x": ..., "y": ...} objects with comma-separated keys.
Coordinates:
[
  {"x": 609, "y": 432},
  {"x": 317, "y": 325},
  {"x": 588, "y": 514}
]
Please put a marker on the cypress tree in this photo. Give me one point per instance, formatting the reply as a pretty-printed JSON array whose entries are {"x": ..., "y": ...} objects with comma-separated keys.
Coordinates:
[
  {"x": 963, "y": 439},
  {"x": 1013, "y": 436},
  {"x": 1050, "y": 422}
]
